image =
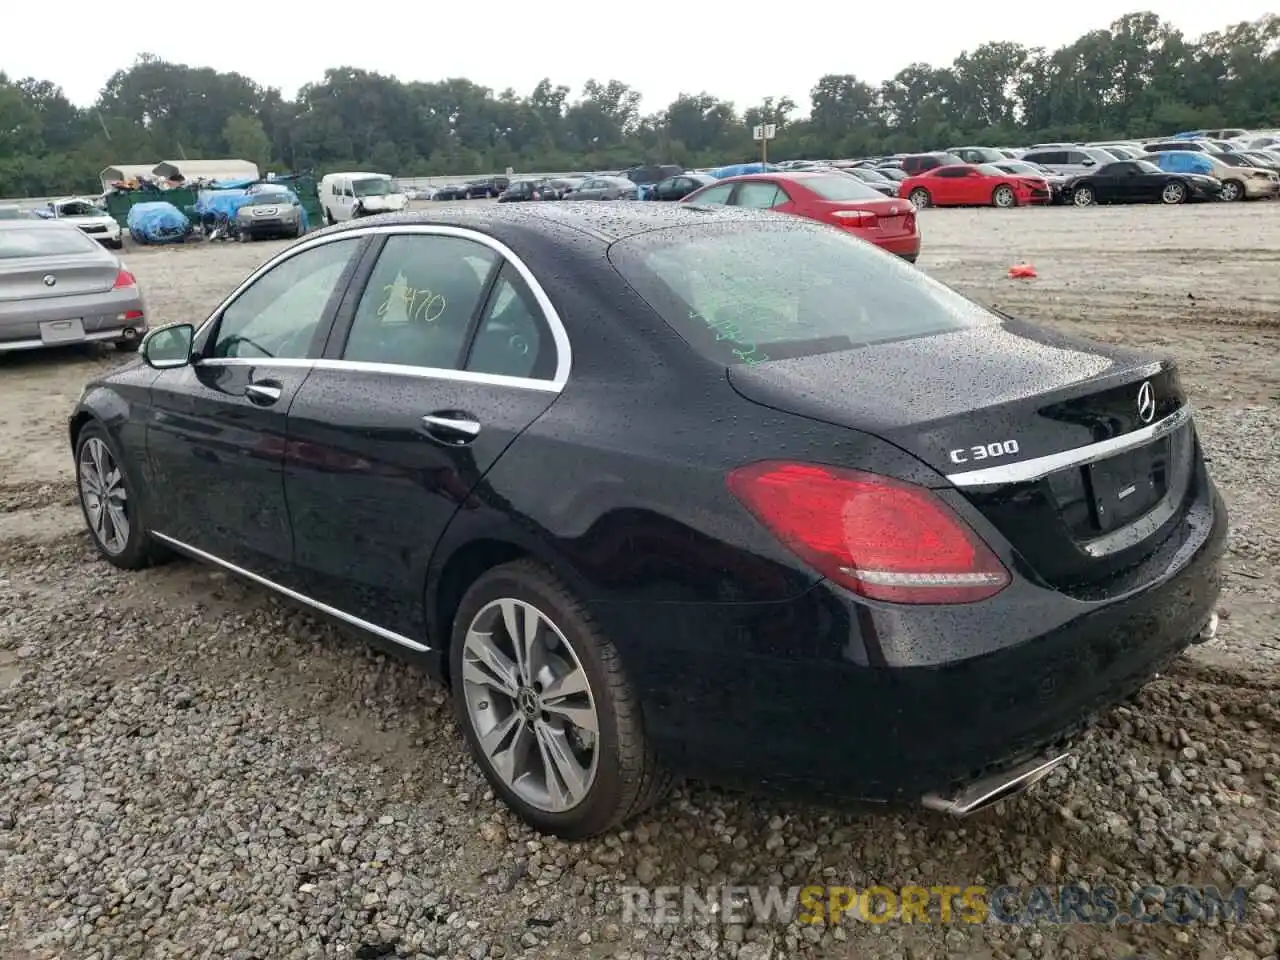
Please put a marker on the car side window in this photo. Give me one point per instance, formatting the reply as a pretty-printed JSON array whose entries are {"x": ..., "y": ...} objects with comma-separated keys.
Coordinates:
[
  {"x": 419, "y": 301},
  {"x": 513, "y": 339},
  {"x": 952, "y": 172},
  {"x": 759, "y": 196},
  {"x": 277, "y": 315},
  {"x": 717, "y": 194}
]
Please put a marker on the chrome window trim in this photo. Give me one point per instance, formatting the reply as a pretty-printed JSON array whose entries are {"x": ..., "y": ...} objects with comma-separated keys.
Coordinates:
[
  {"x": 293, "y": 594},
  {"x": 1040, "y": 467},
  {"x": 559, "y": 334},
  {"x": 392, "y": 369}
]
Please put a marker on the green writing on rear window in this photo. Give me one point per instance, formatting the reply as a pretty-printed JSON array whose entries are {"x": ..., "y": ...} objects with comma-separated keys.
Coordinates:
[{"x": 742, "y": 346}]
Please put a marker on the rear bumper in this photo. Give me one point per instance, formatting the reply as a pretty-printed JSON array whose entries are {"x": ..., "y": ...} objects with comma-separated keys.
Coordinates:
[
  {"x": 821, "y": 692},
  {"x": 104, "y": 317},
  {"x": 907, "y": 246}
]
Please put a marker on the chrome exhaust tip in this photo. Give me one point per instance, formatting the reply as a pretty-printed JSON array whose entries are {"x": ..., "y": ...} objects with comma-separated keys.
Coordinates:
[
  {"x": 992, "y": 789},
  {"x": 1209, "y": 630}
]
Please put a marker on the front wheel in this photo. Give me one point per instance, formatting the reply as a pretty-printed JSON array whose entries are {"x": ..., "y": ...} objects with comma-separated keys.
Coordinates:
[
  {"x": 117, "y": 244},
  {"x": 1004, "y": 197},
  {"x": 1232, "y": 190},
  {"x": 1083, "y": 197},
  {"x": 546, "y": 707},
  {"x": 1173, "y": 193},
  {"x": 109, "y": 502},
  {"x": 920, "y": 198}
]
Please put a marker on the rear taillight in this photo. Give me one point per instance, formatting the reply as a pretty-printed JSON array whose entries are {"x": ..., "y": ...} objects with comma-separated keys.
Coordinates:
[
  {"x": 881, "y": 538},
  {"x": 125, "y": 279},
  {"x": 854, "y": 218}
]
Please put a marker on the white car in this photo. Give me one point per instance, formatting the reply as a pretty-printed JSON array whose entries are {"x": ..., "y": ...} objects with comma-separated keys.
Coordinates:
[
  {"x": 89, "y": 217},
  {"x": 344, "y": 196}
]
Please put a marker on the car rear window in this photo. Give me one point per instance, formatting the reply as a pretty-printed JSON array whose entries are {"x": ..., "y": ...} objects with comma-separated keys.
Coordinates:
[
  {"x": 43, "y": 242},
  {"x": 749, "y": 292},
  {"x": 841, "y": 188}
]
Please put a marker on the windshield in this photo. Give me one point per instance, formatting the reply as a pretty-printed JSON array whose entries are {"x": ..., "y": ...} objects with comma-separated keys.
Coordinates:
[
  {"x": 840, "y": 188},
  {"x": 750, "y": 292},
  {"x": 373, "y": 188},
  {"x": 990, "y": 170},
  {"x": 48, "y": 241},
  {"x": 78, "y": 208},
  {"x": 270, "y": 196}
]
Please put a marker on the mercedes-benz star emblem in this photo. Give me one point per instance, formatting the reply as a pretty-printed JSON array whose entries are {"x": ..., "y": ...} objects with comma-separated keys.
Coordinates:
[
  {"x": 50, "y": 279},
  {"x": 1146, "y": 402}
]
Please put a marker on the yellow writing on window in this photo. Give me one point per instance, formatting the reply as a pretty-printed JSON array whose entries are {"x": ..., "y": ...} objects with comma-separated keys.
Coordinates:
[{"x": 419, "y": 305}]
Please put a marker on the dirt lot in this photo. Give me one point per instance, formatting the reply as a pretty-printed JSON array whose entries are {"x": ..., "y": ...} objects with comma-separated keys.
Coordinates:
[{"x": 189, "y": 768}]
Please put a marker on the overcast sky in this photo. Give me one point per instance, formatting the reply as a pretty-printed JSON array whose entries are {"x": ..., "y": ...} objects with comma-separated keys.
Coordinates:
[{"x": 741, "y": 56}]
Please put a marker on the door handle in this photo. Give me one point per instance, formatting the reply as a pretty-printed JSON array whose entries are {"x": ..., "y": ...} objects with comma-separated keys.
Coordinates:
[
  {"x": 452, "y": 428},
  {"x": 263, "y": 394}
]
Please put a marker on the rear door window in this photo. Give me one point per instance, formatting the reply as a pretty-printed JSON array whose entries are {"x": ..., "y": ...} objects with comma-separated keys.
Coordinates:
[
  {"x": 760, "y": 195},
  {"x": 417, "y": 307},
  {"x": 748, "y": 293},
  {"x": 718, "y": 194}
]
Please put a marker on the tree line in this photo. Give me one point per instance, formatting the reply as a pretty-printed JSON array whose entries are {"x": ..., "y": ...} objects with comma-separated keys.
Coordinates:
[{"x": 1140, "y": 77}]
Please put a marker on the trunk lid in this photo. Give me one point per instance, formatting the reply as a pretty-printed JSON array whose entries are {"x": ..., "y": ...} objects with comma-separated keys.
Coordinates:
[
  {"x": 888, "y": 217},
  {"x": 985, "y": 406},
  {"x": 26, "y": 278}
]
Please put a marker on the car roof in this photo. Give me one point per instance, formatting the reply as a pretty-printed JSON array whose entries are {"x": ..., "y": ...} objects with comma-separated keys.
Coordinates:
[
  {"x": 606, "y": 220},
  {"x": 37, "y": 223}
]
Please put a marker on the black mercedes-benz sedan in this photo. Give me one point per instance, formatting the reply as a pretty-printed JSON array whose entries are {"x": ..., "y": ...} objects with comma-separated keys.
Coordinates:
[{"x": 663, "y": 490}]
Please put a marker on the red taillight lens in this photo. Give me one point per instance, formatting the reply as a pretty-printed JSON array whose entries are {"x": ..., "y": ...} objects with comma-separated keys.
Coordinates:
[
  {"x": 125, "y": 279},
  {"x": 881, "y": 538},
  {"x": 853, "y": 218}
]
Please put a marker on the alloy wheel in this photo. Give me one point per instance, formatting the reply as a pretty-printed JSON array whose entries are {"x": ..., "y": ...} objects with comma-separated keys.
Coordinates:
[
  {"x": 1005, "y": 197},
  {"x": 530, "y": 704},
  {"x": 919, "y": 198},
  {"x": 103, "y": 492},
  {"x": 1231, "y": 191},
  {"x": 1082, "y": 197},
  {"x": 1172, "y": 193}
]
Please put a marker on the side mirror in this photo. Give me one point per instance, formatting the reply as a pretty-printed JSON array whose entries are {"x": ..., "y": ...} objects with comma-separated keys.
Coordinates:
[
  {"x": 168, "y": 347},
  {"x": 1090, "y": 163}
]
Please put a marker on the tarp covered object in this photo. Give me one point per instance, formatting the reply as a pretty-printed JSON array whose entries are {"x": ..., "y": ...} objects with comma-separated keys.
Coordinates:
[
  {"x": 742, "y": 169},
  {"x": 157, "y": 222},
  {"x": 1185, "y": 161},
  {"x": 224, "y": 202}
]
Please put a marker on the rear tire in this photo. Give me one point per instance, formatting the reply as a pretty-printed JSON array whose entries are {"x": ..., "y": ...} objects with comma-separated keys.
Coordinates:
[
  {"x": 116, "y": 244},
  {"x": 1083, "y": 196},
  {"x": 328, "y": 218},
  {"x": 920, "y": 198},
  {"x": 614, "y": 772},
  {"x": 120, "y": 536},
  {"x": 1173, "y": 192},
  {"x": 129, "y": 346}
]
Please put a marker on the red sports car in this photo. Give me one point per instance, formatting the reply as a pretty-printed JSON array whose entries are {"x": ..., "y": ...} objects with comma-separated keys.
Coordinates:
[
  {"x": 835, "y": 198},
  {"x": 974, "y": 185}
]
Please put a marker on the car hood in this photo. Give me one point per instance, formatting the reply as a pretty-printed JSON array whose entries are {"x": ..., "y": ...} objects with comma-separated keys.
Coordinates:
[{"x": 386, "y": 203}]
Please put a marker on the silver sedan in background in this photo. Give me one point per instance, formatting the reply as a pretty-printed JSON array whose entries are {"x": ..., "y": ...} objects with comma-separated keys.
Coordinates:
[
  {"x": 605, "y": 188},
  {"x": 59, "y": 287}
]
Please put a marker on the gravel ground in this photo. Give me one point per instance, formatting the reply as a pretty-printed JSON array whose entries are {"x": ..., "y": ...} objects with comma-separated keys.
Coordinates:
[{"x": 189, "y": 768}]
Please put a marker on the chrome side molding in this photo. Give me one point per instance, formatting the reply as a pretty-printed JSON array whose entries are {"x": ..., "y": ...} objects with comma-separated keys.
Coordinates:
[{"x": 324, "y": 608}]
